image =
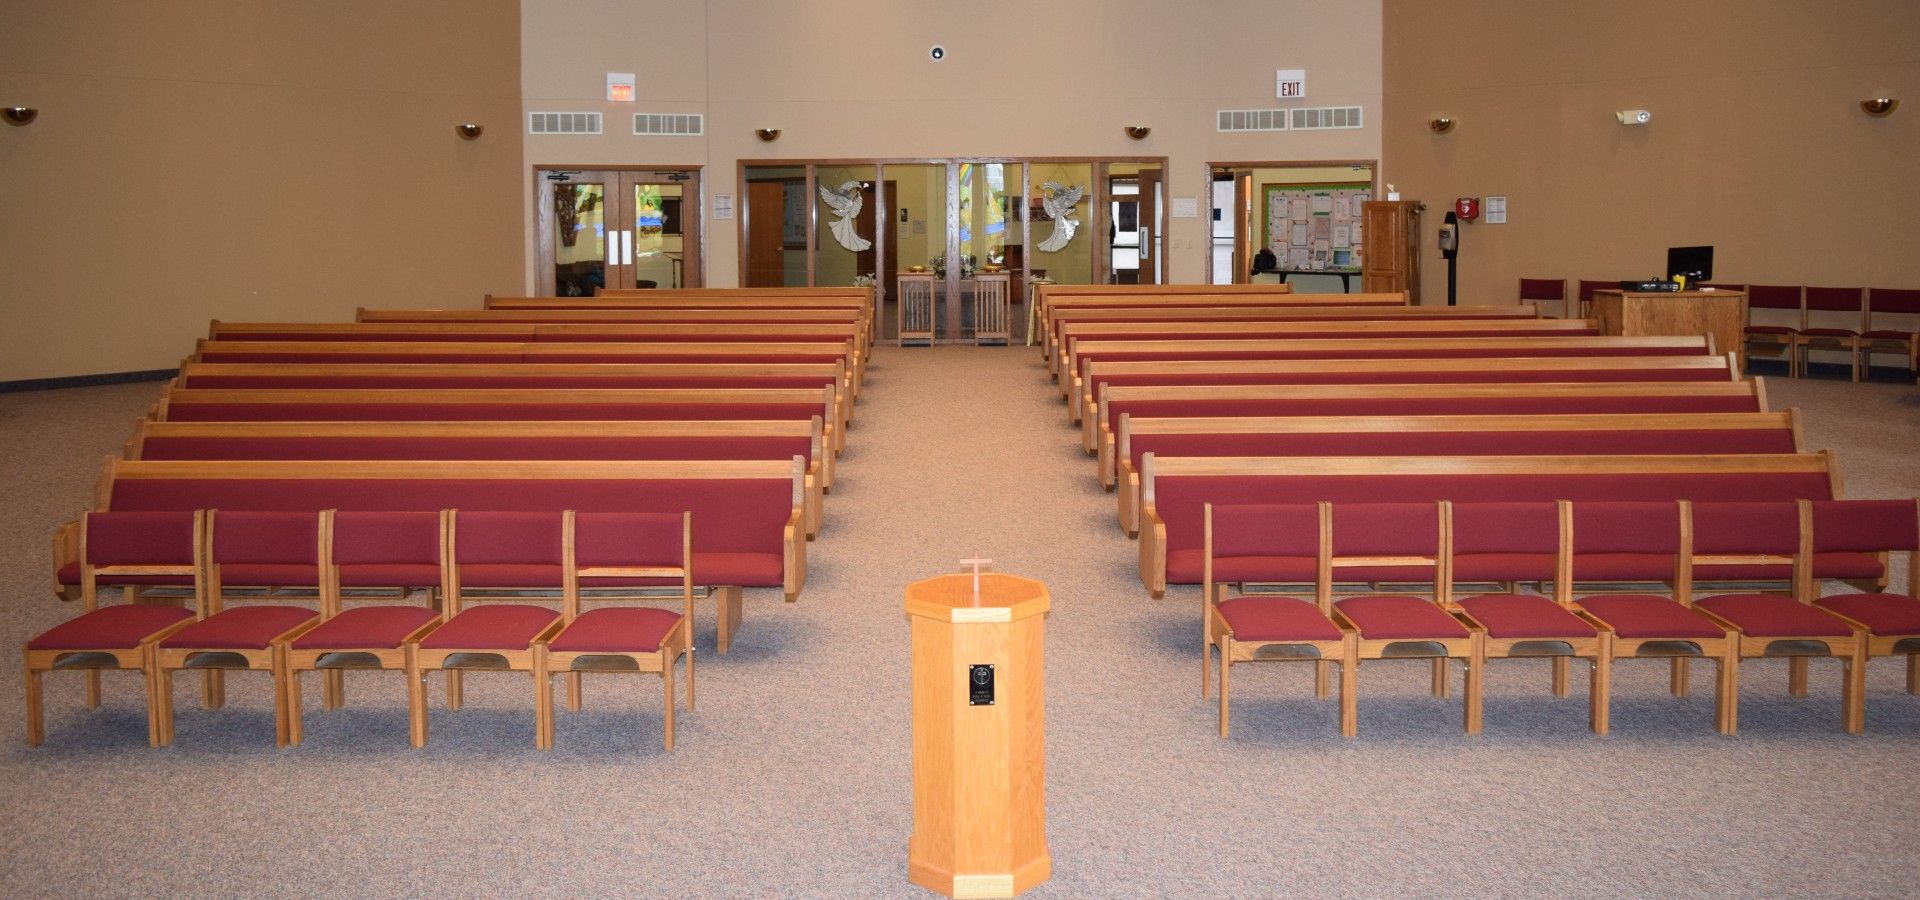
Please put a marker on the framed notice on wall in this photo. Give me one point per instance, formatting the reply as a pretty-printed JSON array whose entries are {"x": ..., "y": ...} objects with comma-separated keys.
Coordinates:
[{"x": 1314, "y": 227}]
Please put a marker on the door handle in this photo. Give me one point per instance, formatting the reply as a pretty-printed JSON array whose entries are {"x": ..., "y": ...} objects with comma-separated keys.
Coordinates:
[{"x": 626, "y": 248}]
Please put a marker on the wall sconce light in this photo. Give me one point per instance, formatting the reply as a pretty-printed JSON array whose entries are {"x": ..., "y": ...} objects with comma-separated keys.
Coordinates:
[
  {"x": 21, "y": 115},
  {"x": 1441, "y": 125},
  {"x": 469, "y": 130},
  {"x": 1633, "y": 116},
  {"x": 1138, "y": 132},
  {"x": 1879, "y": 107},
  {"x": 767, "y": 134}
]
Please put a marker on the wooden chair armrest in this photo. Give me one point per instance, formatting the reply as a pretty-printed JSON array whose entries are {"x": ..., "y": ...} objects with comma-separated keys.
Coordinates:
[{"x": 66, "y": 549}]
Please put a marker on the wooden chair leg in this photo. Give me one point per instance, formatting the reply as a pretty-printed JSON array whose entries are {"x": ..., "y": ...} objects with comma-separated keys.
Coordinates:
[
  {"x": 1349, "y": 696},
  {"x": 1226, "y": 663},
  {"x": 727, "y": 610},
  {"x": 153, "y": 694},
  {"x": 542, "y": 700},
  {"x": 36, "y": 709},
  {"x": 1206, "y": 670},
  {"x": 1913, "y": 673},
  {"x": 1561, "y": 669},
  {"x": 163, "y": 706},
  {"x": 1440, "y": 676},
  {"x": 1475, "y": 688},
  {"x": 1797, "y": 676},
  {"x": 689, "y": 679},
  {"x": 93, "y": 688},
  {"x": 1600, "y": 691},
  {"x": 1854, "y": 690},
  {"x": 416, "y": 699},
  {"x": 1682, "y": 674},
  {"x": 333, "y": 689},
  {"x": 454, "y": 688},
  {"x": 295, "y": 728},
  {"x": 1729, "y": 699},
  {"x": 573, "y": 692},
  {"x": 1322, "y": 681},
  {"x": 213, "y": 688},
  {"x": 666, "y": 680},
  {"x": 278, "y": 669}
]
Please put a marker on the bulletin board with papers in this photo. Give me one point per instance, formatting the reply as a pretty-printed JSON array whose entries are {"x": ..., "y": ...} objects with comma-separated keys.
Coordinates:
[{"x": 1315, "y": 227}]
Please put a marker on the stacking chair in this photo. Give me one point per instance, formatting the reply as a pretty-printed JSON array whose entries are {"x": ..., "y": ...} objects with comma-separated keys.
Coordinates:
[
  {"x": 1775, "y": 332},
  {"x": 1402, "y": 542},
  {"x": 1904, "y": 306},
  {"x": 1283, "y": 543},
  {"x": 269, "y": 550},
  {"x": 369, "y": 550},
  {"x": 121, "y": 546},
  {"x": 1587, "y": 289},
  {"x": 1538, "y": 291},
  {"x": 1514, "y": 542},
  {"x": 625, "y": 552},
  {"x": 515, "y": 552},
  {"x": 1777, "y": 624},
  {"x": 1838, "y": 305},
  {"x": 1892, "y": 620},
  {"x": 1648, "y": 541}
]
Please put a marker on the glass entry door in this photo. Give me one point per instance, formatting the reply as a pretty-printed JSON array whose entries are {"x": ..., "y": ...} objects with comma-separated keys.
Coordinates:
[{"x": 617, "y": 229}]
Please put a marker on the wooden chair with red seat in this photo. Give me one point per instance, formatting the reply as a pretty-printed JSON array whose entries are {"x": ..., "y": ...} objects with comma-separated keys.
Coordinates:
[
  {"x": 497, "y": 556},
  {"x": 1538, "y": 291},
  {"x": 1510, "y": 542},
  {"x": 1844, "y": 312},
  {"x": 1647, "y": 541},
  {"x": 1587, "y": 288},
  {"x": 1904, "y": 308},
  {"x": 1879, "y": 527},
  {"x": 245, "y": 549},
  {"x": 1402, "y": 542},
  {"x": 118, "y": 546},
  {"x": 369, "y": 550},
  {"x": 1778, "y": 624},
  {"x": 1280, "y": 543},
  {"x": 1780, "y": 330},
  {"x": 625, "y": 553}
]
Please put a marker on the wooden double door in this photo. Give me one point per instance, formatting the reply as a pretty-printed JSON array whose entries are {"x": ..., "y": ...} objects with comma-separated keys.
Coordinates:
[{"x": 617, "y": 228}]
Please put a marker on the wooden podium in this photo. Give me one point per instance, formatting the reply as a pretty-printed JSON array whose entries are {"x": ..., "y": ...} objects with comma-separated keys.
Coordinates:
[
  {"x": 979, "y": 729},
  {"x": 1722, "y": 314}
]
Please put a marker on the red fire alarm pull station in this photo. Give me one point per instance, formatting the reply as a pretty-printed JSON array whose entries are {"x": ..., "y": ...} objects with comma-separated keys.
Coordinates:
[{"x": 1467, "y": 208}]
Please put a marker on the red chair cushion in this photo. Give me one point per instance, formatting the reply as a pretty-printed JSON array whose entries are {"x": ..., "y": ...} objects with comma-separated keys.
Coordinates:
[
  {"x": 1771, "y": 329},
  {"x": 113, "y": 628},
  {"x": 1882, "y": 613},
  {"x": 1880, "y": 334},
  {"x": 1774, "y": 615},
  {"x": 1388, "y": 617},
  {"x": 1290, "y": 569},
  {"x": 1503, "y": 566},
  {"x": 365, "y": 627},
  {"x": 240, "y": 628},
  {"x": 1277, "y": 619},
  {"x": 1525, "y": 616},
  {"x": 390, "y": 575},
  {"x": 1647, "y": 616},
  {"x": 1830, "y": 332},
  {"x": 501, "y": 626},
  {"x": 617, "y": 630},
  {"x": 510, "y": 575},
  {"x": 1623, "y": 566},
  {"x": 70, "y": 574},
  {"x": 269, "y": 575}
]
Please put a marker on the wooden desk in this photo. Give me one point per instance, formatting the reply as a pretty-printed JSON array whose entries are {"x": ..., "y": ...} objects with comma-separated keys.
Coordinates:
[{"x": 1721, "y": 314}]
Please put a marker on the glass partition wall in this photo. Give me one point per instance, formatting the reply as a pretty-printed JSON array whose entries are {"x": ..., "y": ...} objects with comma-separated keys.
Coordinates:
[{"x": 840, "y": 222}]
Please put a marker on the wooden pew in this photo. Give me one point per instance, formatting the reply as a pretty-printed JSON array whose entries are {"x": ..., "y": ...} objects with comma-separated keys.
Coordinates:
[
  {"x": 1103, "y": 374},
  {"x": 1415, "y": 399},
  {"x": 664, "y": 439},
  {"x": 697, "y": 332},
  {"x": 748, "y": 515},
  {"x": 1173, "y": 491},
  {"x": 502, "y": 404},
  {"x": 1273, "y": 313},
  {"x": 859, "y": 298},
  {"x": 1072, "y": 335},
  {"x": 624, "y": 315},
  {"x": 1569, "y": 434}
]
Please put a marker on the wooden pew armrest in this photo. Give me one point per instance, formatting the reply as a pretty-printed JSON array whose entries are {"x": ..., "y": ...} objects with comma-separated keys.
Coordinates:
[
  {"x": 1153, "y": 552},
  {"x": 794, "y": 539}
]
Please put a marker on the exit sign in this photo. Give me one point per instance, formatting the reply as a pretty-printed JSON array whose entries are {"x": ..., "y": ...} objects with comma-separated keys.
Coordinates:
[{"x": 1290, "y": 84}]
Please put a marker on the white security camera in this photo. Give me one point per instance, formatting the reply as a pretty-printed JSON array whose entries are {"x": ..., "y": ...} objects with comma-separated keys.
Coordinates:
[
  {"x": 937, "y": 54},
  {"x": 1634, "y": 116}
]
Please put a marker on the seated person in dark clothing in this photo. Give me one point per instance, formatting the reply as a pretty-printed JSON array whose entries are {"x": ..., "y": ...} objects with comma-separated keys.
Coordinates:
[{"x": 1265, "y": 261}]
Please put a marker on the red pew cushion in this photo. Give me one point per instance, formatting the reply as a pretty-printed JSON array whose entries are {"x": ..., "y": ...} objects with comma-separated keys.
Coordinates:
[
  {"x": 113, "y": 628},
  {"x": 365, "y": 627},
  {"x": 616, "y": 630},
  {"x": 1277, "y": 619},
  {"x": 1525, "y": 616},
  {"x": 493, "y": 627},
  {"x": 1774, "y": 615},
  {"x": 240, "y": 628},
  {"x": 1648, "y": 616},
  {"x": 1882, "y": 613},
  {"x": 1388, "y": 617}
]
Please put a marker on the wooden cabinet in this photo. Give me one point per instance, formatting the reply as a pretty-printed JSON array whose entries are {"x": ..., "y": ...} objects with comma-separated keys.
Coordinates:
[{"x": 1392, "y": 238}]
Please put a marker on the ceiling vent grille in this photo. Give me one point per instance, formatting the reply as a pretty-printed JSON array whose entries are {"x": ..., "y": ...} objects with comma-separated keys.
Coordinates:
[
  {"x": 563, "y": 123},
  {"x": 668, "y": 123},
  {"x": 1311, "y": 118}
]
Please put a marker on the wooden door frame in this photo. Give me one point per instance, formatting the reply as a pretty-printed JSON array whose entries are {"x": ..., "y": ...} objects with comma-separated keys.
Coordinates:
[
  {"x": 692, "y": 205},
  {"x": 1240, "y": 240}
]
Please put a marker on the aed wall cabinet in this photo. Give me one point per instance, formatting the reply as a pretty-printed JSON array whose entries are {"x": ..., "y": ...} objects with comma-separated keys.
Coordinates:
[{"x": 979, "y": 735}]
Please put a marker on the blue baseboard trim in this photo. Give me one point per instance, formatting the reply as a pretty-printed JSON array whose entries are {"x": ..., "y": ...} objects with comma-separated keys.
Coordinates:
[{"x": 73, "y": 381}]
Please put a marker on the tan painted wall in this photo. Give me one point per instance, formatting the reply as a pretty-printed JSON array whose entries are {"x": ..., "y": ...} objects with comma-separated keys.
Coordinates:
[
  {"x": 1757, "y": 144},
  {"x": 851, "y": 78},
  {"x": 198, "y": 159}
]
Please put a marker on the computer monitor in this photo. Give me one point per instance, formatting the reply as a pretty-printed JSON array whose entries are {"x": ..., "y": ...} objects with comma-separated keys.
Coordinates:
[{"x": 1694, "y": 262}]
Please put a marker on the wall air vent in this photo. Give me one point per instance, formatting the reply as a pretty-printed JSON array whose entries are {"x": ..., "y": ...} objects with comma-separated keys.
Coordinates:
[
  {"x": 668, "y": 123},
  {"x": 563, "y": 123},
  {"x": 1311, "y": 118}
]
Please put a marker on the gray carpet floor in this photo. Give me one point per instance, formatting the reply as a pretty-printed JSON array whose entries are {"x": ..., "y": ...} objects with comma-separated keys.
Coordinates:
[{"x": 792, "y": 778}]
